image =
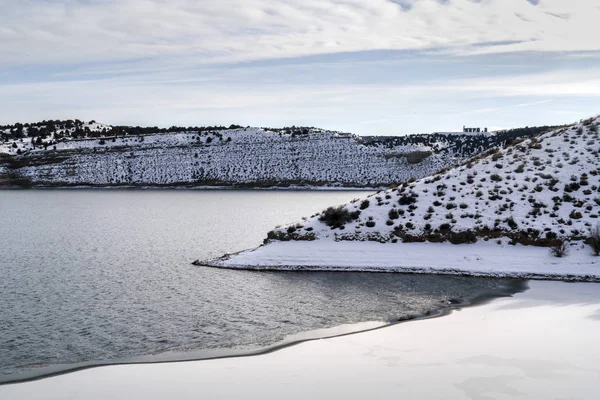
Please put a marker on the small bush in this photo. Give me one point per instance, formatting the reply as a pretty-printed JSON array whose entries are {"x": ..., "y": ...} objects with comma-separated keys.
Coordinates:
[
  {"x": 407, "y": 238},
  {"x": 277, "y": 235},
  {"x": 571, "y": 187},
  {"x": 370, "y": 224},
  {"x": 511, "y": 223},
  {"x": 407, "y": 199},
  {"x": 575, "y": 215},
  {"x": 336, "y": 217},
  {"x": 445, "y": 227},
  {"x": 365, "y": 204},
  {"x": 560, "y": 248},
  {"x": 594, "y": 240},
  {"x": 463, "y": 237}
]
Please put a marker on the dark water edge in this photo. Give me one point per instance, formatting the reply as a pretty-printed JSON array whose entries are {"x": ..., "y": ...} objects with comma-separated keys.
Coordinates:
[
  {"x": 267, "y": 186},
  {"x": 511, "y": 288}
]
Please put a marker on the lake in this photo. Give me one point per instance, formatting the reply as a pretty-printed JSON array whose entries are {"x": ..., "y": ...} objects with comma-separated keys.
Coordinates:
[{"x": 94, "y": 277}]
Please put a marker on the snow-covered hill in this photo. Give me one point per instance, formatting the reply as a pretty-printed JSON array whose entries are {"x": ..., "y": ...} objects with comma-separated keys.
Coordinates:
[
  {"x": 231, "y": 157},
  {"x": 76, "y": 153},
  {"x": 531, "y": 192}
]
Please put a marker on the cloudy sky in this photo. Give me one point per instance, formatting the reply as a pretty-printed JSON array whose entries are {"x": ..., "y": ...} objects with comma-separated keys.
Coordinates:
[{"x": 364, "y": 66}]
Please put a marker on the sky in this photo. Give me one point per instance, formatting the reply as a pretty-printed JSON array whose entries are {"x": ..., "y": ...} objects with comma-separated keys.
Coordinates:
[{"x": 386, "y": 67}]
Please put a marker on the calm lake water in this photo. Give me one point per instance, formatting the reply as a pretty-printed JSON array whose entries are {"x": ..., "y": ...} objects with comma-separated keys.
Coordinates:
[{"x": 106, "y": 276}]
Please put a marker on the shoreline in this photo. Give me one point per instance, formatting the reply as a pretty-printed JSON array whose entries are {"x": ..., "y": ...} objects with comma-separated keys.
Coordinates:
[
  {"x": 203, "y": 188},
  {"x": 489, "y": 350},
  {"x": 478, "y": 260},
  {"x": 514, "y": 287}
]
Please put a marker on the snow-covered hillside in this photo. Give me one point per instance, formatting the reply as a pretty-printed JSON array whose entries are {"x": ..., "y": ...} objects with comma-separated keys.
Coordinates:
[
  {"x": 76, "y": 153},
  {"x": 231, "y": 157},
  {"x": 531, "y": 192}
]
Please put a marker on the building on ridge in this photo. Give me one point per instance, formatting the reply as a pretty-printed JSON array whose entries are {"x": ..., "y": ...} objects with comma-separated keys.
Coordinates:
[{"x": 474, "y": 130}]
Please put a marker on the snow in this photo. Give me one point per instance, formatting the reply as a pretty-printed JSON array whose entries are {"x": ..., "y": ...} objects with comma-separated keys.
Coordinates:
[
  {"x": 549, "y": 185},
  {"x": 227, "y": 157},
  {"x": 247, "y": 157},
  {"x": 538, "y": 345},
  {"x": 479, "y": 259},
  {"x": 534, "y": 191}
]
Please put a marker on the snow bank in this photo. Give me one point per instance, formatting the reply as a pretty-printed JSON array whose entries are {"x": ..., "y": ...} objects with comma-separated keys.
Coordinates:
[{"x": 479, "y": 259}]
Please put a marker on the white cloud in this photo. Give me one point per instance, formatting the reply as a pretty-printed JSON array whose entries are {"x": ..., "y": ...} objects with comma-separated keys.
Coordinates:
[
  {"x": 71, "y": 31},
  {"x": 361, "y": 108},
  {"x": 161, "y": 62}
]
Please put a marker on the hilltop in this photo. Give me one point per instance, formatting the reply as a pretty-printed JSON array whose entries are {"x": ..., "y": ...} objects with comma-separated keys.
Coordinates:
[
  {"x": 538, "y": 191},
  {"x": 74, "y": 153}
]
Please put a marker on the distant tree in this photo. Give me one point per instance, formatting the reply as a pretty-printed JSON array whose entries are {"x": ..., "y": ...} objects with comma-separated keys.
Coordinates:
[{"x": 32, "y": 131}]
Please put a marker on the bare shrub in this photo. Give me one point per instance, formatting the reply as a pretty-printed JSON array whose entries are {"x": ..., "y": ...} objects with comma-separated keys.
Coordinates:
[
  {"x": 594, "y": 240},
  {"x": 560, "y": 248}
]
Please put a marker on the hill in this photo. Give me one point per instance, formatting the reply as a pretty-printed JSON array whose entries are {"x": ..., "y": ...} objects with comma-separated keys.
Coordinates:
[
  {"x": 73, "y": 153},
  {"x": 532, "y": 191},
  {"x": 508, "y": 204}
]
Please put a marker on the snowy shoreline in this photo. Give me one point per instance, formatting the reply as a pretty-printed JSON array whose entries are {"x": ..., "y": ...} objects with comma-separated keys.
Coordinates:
[
  {"x": 202, "y": 187},
  {"x": 490, "y": 349},
  {"x": 203, "y": 355},
  {"x": 479, "y": 259}
]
